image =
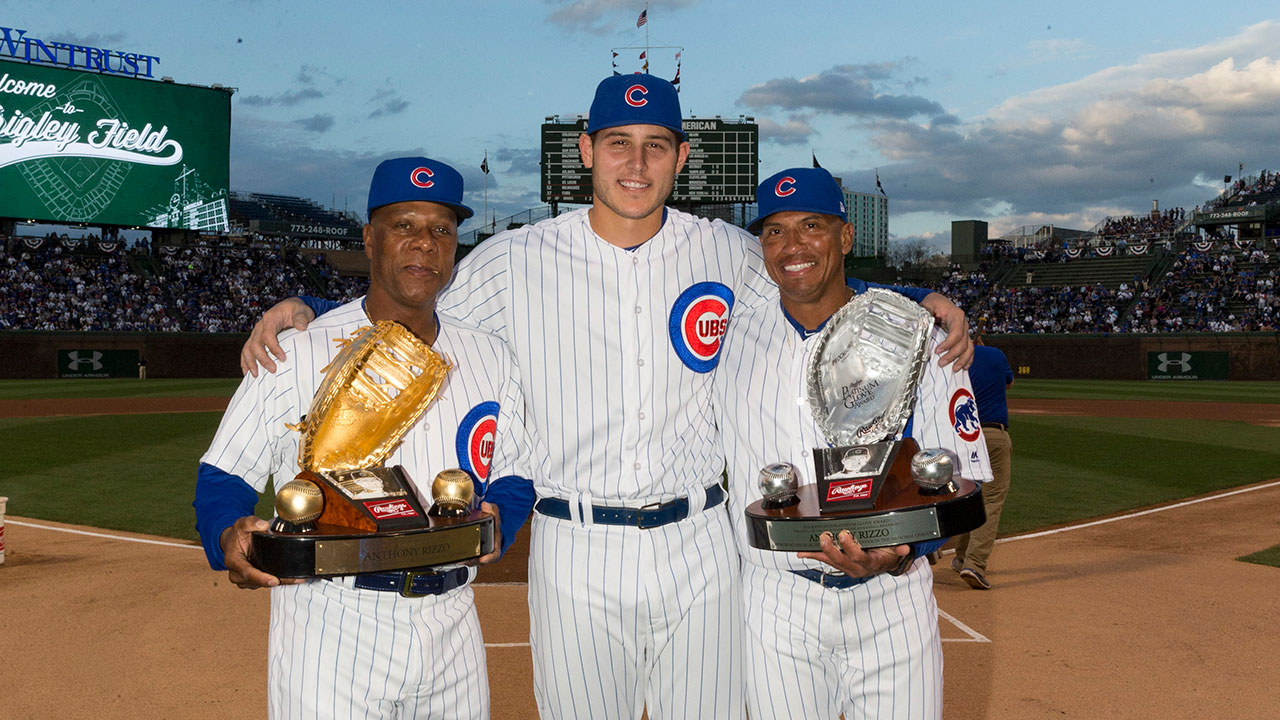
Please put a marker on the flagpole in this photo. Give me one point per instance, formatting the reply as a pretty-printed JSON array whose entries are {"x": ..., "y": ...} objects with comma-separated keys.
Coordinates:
[
  {"x": 486, "y": 185},
  {"x": 646, "y": 34}
]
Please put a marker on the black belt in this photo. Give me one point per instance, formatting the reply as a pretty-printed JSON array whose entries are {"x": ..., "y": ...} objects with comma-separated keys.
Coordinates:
[
  {"x": 837, "y": 581},
  {"x": 415, "y": 583},
  {"x": 996, "y": 425},
  {"x": 649, "y": 516}
]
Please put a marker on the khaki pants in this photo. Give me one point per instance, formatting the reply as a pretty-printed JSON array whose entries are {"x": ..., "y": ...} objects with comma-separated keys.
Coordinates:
[{"x": 974, "y": 548}]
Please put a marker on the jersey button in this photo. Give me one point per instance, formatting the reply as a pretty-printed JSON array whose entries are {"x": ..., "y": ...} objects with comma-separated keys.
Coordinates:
[
  {"x": 641, "y": 416},
  {"x": 637, "y": 309},
  {"x": 640, "y": 362},
  {"x": 637, "y": 466}
]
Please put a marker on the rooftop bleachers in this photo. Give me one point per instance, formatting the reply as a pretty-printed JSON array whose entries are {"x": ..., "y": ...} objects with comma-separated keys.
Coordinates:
[{"x": 1108, "y": 272}]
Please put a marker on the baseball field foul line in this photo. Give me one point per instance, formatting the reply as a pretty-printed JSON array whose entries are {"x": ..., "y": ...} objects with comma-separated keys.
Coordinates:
[{"x": 1140, "y": 513}]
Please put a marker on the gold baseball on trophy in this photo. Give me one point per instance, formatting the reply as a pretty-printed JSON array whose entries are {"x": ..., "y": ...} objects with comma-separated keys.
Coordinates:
[
  {"x": 299, "y": 501},
  {"x": 452, "y": 492}
]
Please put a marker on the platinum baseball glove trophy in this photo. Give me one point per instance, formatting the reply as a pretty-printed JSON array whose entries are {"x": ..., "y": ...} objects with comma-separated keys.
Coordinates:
[
  {"x": 861, "y": 384},
  {"x": 345, "y": 513}
]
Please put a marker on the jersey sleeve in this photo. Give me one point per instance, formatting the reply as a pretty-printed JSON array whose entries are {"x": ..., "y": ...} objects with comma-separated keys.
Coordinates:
[
  {"x": 946, "y": 416},
  {"x": 756, "y": 288},
  {"x": 252, "y": 441},
  {"x": 319, "y": 306},
  {"x": 511, "y": 488},
  {"x": 221, "y": 499},
  {"x": 914, "y": 293},
  {"x": 479, "y": 292}
]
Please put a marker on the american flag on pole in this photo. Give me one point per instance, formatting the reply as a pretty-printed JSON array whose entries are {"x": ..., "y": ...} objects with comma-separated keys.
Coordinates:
[{"x": 644, "y": 18}]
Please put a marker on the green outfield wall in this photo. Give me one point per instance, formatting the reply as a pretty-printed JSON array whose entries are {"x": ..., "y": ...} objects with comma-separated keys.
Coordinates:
[
  {"x": 31, "y": 354},
  {"x": 1205, "y": 356},
  {"x": 1189, "y": 356}
]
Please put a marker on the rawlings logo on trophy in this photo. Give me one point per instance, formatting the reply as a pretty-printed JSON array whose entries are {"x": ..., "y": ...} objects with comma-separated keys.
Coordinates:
[
  {"x": 346, "y": 513},
  {"x": 860, "y": 382}
]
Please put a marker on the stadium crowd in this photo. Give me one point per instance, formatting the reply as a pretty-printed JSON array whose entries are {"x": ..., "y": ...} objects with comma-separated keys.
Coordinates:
[{"x": 223, "y": 286}]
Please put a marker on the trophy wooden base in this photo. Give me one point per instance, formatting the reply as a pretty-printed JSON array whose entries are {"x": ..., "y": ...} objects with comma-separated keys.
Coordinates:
[
  {"x": 330, "y": 550},
  {"x": 903, "y": 514}
]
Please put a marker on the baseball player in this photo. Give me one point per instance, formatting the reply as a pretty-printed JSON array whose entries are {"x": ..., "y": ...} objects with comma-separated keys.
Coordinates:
[
  {"x": 378, "y": 645},
  {"x": 845, "y": 630},
  {"x": 616, "y": 315}
]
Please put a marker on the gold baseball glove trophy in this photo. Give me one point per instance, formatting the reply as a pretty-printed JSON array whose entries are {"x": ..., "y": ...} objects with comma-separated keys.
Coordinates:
[
  {"x": 861, "y": 384},
  {"x": 346, "y": 513}
]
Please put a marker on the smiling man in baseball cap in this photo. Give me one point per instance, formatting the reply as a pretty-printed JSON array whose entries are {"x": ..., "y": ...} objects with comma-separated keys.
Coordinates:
[
  {"x": 415, "y": 205},
  {"x": 819, "y": 619}
]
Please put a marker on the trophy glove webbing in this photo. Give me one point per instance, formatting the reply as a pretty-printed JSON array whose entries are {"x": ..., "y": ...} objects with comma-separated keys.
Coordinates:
[{"x": 221, "y": 499}]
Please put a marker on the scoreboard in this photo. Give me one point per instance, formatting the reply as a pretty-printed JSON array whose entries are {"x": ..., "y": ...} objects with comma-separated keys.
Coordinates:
[{"x": 722, "y": 167}]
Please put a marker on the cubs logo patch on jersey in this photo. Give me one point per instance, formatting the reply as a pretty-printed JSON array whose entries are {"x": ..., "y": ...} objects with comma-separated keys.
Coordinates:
[
  {"x": 963, "y": 411},
  {"x": 698, "y": 323},
  {"x": 476, "y": 436}
]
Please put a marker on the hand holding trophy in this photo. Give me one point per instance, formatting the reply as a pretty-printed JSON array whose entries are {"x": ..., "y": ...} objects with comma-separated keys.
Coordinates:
[
  {"x": 861, "y": 384},
  {"x": 346, "y": 513}
]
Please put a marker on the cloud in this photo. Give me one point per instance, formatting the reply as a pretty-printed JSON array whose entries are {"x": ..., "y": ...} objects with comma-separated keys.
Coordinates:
[
  {"x": 1107, "y": 143},
  {"x": 795, "y": 131},
  {"x": 288, "y": 98},
  {"x": 605, "y": 16},
  {"x": 522, "y": 161},
  {"x": 270, "y": 156},
  {"x": 110, "y": 41},
  {"x": 394, "y": 106},
  {"x": 845, "y": 90},
  {"x": 316, "y": 123}
]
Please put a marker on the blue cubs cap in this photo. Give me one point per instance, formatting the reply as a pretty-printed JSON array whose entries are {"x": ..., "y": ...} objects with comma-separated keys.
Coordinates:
[
  {"x": 635, "y": 100},
  {"x": 801, "y": 189},
  {"x": 417, "y": 178}
]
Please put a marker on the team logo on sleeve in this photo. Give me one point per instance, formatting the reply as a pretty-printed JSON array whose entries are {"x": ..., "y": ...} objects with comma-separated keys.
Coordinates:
[
  {"x": 698, "y": 322},
  {"x": 476, "y": 436},
  {"x": 964, "y": 415}
]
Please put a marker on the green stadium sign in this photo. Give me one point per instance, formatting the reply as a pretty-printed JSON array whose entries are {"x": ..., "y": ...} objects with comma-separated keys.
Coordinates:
[
  {"x": 97, "y": 363},
  {"x": 1175, "y": 365},
  {"x": 80, "y": 147}
]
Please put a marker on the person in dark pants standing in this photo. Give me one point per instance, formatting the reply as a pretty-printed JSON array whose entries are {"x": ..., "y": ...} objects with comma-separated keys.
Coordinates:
[{"x": 991, "y": 376}]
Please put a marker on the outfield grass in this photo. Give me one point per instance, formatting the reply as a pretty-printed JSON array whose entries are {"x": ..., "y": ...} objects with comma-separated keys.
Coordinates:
[
  {"x": 1067, "y": 469},
  {"x": 1197, "y": 391},
  {"x": 123, "y": 472},
  {"x": 116, "y": 387},
  {"x": 137, "y": 472}
]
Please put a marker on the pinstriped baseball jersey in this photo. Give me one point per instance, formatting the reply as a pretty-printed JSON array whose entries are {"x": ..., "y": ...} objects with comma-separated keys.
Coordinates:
[
  {"x": 336, "y": 651},
  {"x": 871, "y": 650},
  {"x": 617, "y": 349},
  {"x": 765, "y": 418},
  {"x": 615, "y": 346}
]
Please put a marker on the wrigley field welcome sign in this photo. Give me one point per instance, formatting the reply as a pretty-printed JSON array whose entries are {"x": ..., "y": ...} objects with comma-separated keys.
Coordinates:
[{"x": 94, "y": 148}]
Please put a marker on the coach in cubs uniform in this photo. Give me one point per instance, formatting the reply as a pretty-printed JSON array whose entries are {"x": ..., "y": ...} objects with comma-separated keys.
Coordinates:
[
  {"x": 379, "y": 645},
  {"x": 616, "y": 314},
  {"x": 845, "y": 630}
]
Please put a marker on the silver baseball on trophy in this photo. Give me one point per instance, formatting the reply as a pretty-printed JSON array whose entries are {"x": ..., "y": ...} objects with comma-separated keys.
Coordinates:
[
  {"x": 933, "y": 470},
  {"x": 860, "y": 382},
  {"x": 778, "y": 485}
]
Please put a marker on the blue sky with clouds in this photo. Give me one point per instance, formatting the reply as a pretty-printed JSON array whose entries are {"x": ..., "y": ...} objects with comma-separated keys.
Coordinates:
[{"x": 1011, "y": 112}]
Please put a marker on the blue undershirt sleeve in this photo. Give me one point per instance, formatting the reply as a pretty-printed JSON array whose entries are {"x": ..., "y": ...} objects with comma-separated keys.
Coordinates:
[
  {"x": 319, "y": 306},
  {"x": 221, "y": 499},
  {"x": 514, "y": 496},
  {"x": 914, "y": 293}
]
